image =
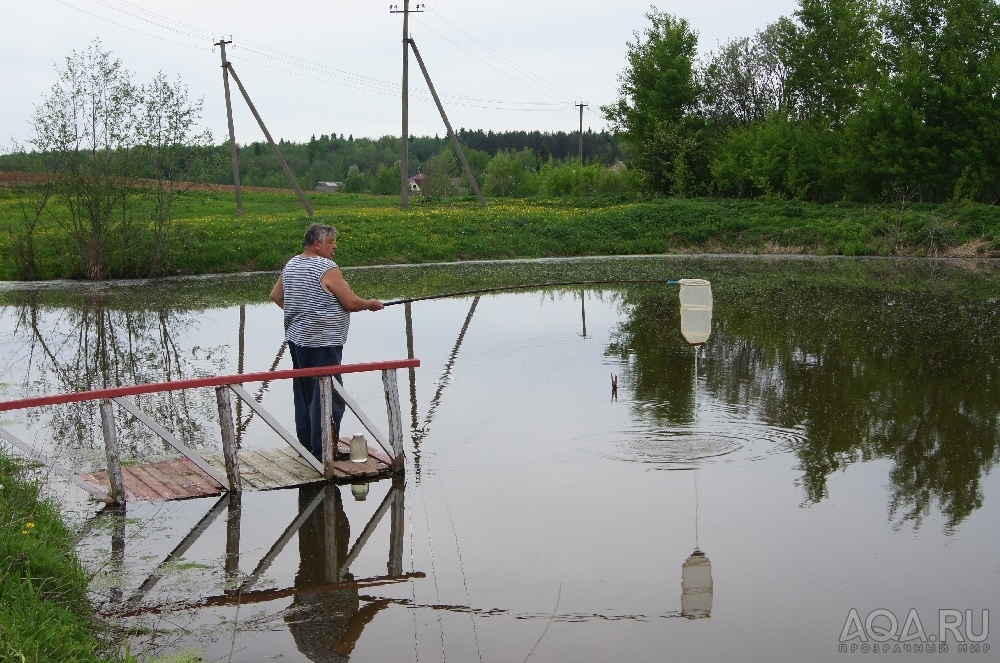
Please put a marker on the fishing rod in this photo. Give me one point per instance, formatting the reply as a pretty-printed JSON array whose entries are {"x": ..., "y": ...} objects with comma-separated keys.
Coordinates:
[{"x": 524, "y": 287}]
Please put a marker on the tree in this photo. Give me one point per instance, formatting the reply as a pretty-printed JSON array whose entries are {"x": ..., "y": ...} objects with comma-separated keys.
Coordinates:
[
  {"x": 173, "y": 152},
  {"x": 438, "y": 173},
  {"x": 745, "y": 80},
  {"x": 99, "y": 132},
  {"x": 658, "y": 89},
  {"x": 931, "y": 127},
  {"x": 830, "y": 54}
]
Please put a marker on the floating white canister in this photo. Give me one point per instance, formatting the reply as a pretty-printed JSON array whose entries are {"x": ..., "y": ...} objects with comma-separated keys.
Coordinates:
[
  {"x": 696, "y": 310},
  {"x": 696, "y": 586}
]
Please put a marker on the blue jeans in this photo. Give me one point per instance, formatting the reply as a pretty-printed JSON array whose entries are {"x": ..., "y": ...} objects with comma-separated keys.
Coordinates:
[{"x": 306, "y": 393}]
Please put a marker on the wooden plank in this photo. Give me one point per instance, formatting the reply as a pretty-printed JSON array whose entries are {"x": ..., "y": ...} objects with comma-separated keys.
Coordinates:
[
  {"x": 136, "y": 487},
  {"x": 370, "y": 467},
  {"x": 167, "y": 479},
  {"x": 378, "y": 455},
  {"x": 248, "y": 475},
  {"x": 193, "y": 479},
  {"x": 290, "y": 466},
  {"x": 276, "y": 427},
  {"x": 164, "y": 491},
  {"x": 266, "y": 468},
  {"x": 167, "y": 437},
  {"x": 308, "y": 474}
]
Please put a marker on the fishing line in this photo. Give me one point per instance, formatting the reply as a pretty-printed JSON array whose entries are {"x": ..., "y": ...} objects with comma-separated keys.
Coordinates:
[
  {"x": 525, "y": 287},
  {"x": 461, "y": 568}
]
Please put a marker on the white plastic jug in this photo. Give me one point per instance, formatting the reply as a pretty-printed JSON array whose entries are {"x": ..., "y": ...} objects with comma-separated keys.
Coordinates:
[{"x": 696, "y": 310}]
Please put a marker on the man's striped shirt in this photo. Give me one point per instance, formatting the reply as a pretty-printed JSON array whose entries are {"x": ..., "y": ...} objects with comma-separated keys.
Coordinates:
[{"x": 313, "y": 317}]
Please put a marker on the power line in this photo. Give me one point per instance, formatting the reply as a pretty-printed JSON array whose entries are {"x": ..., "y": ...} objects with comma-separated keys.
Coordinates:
[
  {"x": 502, "y": 58},
  {"x": 342, "y": 77}
]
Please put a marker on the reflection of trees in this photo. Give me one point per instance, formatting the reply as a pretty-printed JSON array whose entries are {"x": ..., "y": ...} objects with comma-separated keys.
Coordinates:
[
  {"x": 94, "y": 344},
  {"x": 658, "y": 362},
  {"x": 865, "y": 371}
]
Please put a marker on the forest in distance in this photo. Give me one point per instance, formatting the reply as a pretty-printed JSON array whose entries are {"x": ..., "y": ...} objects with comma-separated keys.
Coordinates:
[{"x": 869, "y": 101}]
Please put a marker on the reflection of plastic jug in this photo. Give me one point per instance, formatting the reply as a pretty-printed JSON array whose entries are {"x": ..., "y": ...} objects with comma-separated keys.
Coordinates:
[
  {"x": 359, "y": 491},
  {"x": 359, "y": 449},
  {"x": 696, "y": 586},
  {"x": 696, "y": 292},
  {"x": 696, "y": 310}
]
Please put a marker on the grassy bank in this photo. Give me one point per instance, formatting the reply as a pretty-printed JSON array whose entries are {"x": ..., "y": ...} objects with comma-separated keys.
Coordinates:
[
  {"x": 44, "y": 613},
  {"x": 208, "y": 237}
]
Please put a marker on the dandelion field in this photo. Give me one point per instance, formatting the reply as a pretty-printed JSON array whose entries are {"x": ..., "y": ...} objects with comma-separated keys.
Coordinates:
[{"x": 207, "y": 236}]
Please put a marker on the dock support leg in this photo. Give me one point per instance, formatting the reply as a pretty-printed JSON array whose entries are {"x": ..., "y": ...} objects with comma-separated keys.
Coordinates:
[
  {"x": 396, "y": 538},
  {"x": 332, "y": 561},
  {"x": 228, "y": 438},
  {"x": 395, "y": 418},
  {"x": 115, "y": 477},
  {"x": 233, "y": 538},
  {"x": 329, "y": 434}
]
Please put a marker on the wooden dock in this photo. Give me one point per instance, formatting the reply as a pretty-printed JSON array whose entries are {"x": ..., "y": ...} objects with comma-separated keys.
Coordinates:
[
  {"x": 196, "y": 475},
  {"x": 260, "y": 469}
]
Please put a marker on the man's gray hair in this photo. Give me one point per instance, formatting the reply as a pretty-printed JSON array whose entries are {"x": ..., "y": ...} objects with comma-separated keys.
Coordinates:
[{"x": 317, "y": 232}]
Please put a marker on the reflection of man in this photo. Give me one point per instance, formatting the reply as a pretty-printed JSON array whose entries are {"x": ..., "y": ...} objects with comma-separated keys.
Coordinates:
[
  {"x": 318, "y": 302},
  {"x": 325, "y": 619}
]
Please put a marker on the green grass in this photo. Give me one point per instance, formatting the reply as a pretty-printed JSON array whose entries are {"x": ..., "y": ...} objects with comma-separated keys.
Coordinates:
[
  {"x": 44, "y": 612},
  {"x": 208, "y": 237}
]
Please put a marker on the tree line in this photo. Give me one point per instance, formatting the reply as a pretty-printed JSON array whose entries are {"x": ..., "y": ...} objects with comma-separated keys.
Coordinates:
[{"x": 867, "y": 100}]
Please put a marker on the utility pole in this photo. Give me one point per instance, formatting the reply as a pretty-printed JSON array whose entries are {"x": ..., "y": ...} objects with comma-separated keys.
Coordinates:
[
  {"x": 581, "y": 105},
  {"x": 270, "y": 141},
  {"x": 451, "y": 132},
  {"x": 404, "y": 164},
  {"x": 232, "y": 132}
]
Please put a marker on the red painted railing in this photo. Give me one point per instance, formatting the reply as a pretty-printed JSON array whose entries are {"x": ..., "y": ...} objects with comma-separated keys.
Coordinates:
[{"x": 215, "y": 381}]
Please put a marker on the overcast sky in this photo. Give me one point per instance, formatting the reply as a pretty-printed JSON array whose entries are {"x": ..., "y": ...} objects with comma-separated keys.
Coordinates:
[{"x": 315, "y": 67}]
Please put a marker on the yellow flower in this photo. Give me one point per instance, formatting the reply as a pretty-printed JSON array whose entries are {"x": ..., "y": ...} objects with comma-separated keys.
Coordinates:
[{"x": 30, "y": 525}]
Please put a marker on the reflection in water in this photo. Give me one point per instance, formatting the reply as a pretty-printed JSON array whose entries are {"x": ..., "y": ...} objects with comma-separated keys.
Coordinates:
[
  {"x": 855, "y": 372},
  {"x": 326, "y": 622},
  {"x": 696, "y": 586}
]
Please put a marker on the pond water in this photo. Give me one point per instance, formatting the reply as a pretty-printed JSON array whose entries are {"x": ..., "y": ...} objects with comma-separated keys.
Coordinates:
[{"x": 824, "y": 460}]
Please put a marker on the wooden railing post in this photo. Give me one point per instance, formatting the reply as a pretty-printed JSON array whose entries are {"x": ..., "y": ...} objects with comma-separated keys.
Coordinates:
[
  {"x": 228, "y": 438},
  {"x": 395, "y": 418},
  {"x": 115, "y": 478},
  {"x": 329, "y": 435}
]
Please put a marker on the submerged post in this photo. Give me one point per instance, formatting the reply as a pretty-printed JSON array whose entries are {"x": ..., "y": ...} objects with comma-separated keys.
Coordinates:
[
  {"x": 115, "y": 477},
  {"x": 228, "y": 438},
  {"x": 396, "y": 531}
]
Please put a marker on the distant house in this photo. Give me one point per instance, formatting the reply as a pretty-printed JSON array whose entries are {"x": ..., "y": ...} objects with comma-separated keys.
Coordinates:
[
  {"x": 329, "y": 187},
  {"x": 416, "y": 181},
  {"x": 618, "y": 166}
]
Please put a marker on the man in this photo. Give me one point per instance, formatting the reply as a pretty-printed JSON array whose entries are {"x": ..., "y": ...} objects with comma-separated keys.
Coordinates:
[{"x": 318, "y": 303}]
